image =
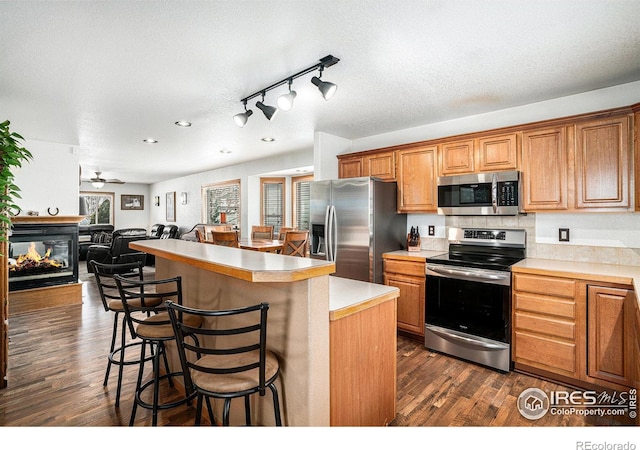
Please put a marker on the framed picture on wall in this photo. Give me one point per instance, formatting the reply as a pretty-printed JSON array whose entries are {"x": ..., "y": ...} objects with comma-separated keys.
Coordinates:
[
  {"x": 171, "y": 206},
  {"x": 131, "y": 202}
]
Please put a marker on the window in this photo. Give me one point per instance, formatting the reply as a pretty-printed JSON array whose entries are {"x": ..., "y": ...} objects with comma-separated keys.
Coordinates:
[
  {"x": 222, "y": 203},
  {"x": 301, "y": 200},
  {"x": 272, "y": 203},
  {"x": 98, "y": 207}
]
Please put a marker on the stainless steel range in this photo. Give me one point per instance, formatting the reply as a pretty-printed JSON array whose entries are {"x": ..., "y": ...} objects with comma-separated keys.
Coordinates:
[{"x": 468, "y": 295}]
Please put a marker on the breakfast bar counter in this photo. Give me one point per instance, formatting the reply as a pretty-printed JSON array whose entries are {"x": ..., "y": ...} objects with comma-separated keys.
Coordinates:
[{"x": 326, "y": 331}]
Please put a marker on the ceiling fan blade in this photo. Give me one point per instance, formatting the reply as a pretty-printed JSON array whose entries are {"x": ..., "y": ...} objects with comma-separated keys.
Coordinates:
[{"x": 114, "y": 181}]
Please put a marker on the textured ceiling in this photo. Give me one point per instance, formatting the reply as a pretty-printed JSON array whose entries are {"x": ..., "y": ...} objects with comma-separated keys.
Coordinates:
[{"x": 103, "y": 75}]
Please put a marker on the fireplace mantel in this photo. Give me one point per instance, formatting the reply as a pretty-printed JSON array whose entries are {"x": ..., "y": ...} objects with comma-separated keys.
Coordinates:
[{"x": 47, "y": 219}]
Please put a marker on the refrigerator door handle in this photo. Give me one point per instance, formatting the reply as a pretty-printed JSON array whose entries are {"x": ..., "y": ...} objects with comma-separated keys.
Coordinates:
[
  {"x": 334, "y": 233},
  {"x": 327, "y": 233}
]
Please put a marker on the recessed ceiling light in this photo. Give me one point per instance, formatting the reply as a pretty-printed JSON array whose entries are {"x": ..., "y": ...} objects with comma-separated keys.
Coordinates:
[
  {"x": 225, "y": 150},
  {"x": 183, "y": 123},
  {"x": 149, "y": 141},
  {"x": 267, "y": 139}
]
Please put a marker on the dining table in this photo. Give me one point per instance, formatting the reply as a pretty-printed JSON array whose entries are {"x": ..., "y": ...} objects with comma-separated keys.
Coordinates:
[{"x": 261, "y": 245}]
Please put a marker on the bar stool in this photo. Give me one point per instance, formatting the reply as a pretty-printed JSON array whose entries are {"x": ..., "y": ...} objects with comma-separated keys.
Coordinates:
[
  {"x": 111, "y": 301},
  {"x": 148, "y": 320},
  {"x": 229, "y": 359}
]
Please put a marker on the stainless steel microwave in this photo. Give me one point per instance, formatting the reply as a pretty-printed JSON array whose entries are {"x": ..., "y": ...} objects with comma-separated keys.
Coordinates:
[{"x": 482, "y": 194}]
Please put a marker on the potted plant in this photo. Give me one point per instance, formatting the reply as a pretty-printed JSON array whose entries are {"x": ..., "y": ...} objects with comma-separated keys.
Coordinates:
[{"x": 12, "y": 155}]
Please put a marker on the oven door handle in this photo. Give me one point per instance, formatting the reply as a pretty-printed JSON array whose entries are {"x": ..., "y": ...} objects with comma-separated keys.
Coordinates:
[
  {"x": 452, "y": 335},
  {"x": 468, "y": 274}
]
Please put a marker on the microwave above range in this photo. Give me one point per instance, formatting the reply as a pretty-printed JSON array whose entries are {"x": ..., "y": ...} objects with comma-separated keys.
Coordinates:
[{"x": 482, "y": 194}]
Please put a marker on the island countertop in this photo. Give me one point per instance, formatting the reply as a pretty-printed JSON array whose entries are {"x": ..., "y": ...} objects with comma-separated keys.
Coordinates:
[
  {"x": 348, "y": 297},
  {"x": 245, "y": 265}
]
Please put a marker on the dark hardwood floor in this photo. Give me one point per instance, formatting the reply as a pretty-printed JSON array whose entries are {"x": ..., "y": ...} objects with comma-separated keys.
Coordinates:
[{"x": 57, "y": 359}]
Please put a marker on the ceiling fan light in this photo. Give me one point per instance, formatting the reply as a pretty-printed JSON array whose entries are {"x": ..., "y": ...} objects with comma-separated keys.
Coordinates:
[
  {"x": 285, "y": 101},
  {"x": 268, "y": 111},
  {"x": 97, "y": 184},
  {"x": 326, "y": 89},
  {"x": 241, "y": 119}
]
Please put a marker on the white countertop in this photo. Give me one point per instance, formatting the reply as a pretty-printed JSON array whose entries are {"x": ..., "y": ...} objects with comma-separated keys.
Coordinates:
[{"x": 349, "y": 296}]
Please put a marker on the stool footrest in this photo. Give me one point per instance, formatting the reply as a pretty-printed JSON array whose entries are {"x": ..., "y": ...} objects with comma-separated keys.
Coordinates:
[
  {"x": 167, "y": 405},
  {"x": 116, "y": 360}
]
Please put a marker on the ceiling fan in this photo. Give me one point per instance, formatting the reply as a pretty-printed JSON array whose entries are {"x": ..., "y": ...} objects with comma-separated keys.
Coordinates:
[{"x": 98, "y": 181}]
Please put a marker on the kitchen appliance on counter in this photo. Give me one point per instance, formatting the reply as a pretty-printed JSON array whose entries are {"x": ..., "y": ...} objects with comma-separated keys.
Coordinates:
[
  {"x": 468, "y": 295},
  {"x": 353, "y": 222},
  {"x": 481, "y": 194}
]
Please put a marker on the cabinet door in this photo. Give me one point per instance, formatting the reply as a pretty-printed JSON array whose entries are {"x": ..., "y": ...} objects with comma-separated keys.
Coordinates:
[
  {"x": 350, "y": 167},
  {"x": 380, "y": 165},
  {"x": 602, "y": 163},
  {"x": 609, "y": 332},
  {"x": 410, "y": 302},
  {"x": 545, "y": 169},
  {"x": 457, "y": 157},
  {"x": 416, "y": 177},
  {"x": 497, "y": 153}
]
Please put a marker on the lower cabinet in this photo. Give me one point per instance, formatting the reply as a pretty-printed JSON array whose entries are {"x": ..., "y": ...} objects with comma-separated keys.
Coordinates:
[
  {"x": 574, "y": 330},
  {"x": 409, "y": 277}
]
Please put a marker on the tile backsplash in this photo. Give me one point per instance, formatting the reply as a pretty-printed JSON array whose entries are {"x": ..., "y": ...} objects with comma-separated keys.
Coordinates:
[{"x": 540, "y": 248}]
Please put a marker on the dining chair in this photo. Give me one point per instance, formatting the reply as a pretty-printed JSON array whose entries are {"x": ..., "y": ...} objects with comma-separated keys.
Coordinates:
[
  {"x": 229, "y": 357},
  {"x": 226, "y": 238},
  {"x": 295, "y": 243},
  {"x": 283, "y": 230},
  {"x": 262, "y": 232}
]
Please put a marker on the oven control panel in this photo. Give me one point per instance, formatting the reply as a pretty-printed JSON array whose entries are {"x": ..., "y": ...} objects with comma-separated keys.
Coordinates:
[{"x": 485, "y": 234}]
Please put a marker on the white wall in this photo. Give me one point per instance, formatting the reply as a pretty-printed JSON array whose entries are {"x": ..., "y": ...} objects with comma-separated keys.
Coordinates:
[
  {"x": 50, "y": 180},
  {"x": 248, "y": 174},
  {"x": 326, "y": 147},
  {"x": 125, "y": 218}
]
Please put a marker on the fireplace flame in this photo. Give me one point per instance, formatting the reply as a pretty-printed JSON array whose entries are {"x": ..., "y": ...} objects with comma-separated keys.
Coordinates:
[{"x": 33, "y": 259}]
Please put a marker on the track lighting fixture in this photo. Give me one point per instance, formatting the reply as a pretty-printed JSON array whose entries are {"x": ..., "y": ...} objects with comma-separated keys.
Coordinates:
[
  {"x": 268, "y": 111},
  {"x": 241, "y": 119},
  {"x": 285, "y": 101}
]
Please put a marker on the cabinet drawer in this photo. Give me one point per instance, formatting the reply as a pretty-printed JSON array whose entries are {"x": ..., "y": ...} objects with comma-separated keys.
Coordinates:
[
  {"x": 405, "y": 267},
  {"x": 545, "y": 325},
  {"x": 545, "y": 285},
  {"x": 546, "y": 305},
  {"x": 545, "y": 353}
]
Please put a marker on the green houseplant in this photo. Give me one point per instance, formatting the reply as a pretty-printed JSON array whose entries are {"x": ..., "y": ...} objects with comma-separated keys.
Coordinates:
[{"x": 12, "y": 155}]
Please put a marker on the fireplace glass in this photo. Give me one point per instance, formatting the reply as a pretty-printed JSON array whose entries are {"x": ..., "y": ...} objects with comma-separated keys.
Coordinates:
[{"x": 42, "y": 255}]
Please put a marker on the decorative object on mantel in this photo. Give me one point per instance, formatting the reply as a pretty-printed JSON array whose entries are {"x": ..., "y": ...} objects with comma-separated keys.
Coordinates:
[
  {"x": 53, "y": 213},
  {"x": 32, "y": 213},
  {"x": 413, "y": 240},
  {"x": 171, "y": 206}
]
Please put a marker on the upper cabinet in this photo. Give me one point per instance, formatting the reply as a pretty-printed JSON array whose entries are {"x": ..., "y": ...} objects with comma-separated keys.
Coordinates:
[
  {"x": 484, "y": 154},
  {"x": 381, "y": 165},
  {"x": 417, "y": 191},
  {"x": 545, "y": 166},
  {"x": 602, "y": 163},
  {"x": 578, "y": 163}
]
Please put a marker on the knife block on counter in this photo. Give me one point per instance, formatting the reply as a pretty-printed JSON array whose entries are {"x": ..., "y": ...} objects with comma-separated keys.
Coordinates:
[{"x": 413, "y": 245}]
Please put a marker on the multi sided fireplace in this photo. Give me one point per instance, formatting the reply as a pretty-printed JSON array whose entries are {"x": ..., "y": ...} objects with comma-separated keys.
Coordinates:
[{"x": 42, "y": 255}]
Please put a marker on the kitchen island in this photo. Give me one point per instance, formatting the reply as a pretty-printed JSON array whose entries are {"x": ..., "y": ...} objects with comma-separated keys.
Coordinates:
[{"x": 329, "y": 333}]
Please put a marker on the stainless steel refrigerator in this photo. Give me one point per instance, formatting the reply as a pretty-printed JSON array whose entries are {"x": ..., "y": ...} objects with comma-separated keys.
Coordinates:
[{"x": 353, "y": 221}]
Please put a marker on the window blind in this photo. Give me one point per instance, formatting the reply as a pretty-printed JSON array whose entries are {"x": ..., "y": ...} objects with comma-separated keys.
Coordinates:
[
  {"x": 303, "y": 200},
  {"x": 273, "y": 205}
]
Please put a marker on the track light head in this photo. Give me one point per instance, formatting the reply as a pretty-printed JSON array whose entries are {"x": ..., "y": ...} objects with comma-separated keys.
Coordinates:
[
  {"x": 326, "y": 89},
  {"x": 268, "y": 111},
  {"x": 285, "y": 101},
  {"x": 241, "y": 119}
]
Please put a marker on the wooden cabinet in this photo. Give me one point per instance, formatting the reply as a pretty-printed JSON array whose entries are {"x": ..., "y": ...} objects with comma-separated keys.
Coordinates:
[
  {"x": 602, "y": 163},
  {"x": 483, "y": 154},
  {"x": 378, "y": 164},
  {"x": 350, "y": 167},
  {"x": 416, "y": 177},
  {"x": 610, "y": 327},
  {"x": 545, "y": 167},
  {"x": 409, "y": 277},
  {"x": 545, "y": 324}
]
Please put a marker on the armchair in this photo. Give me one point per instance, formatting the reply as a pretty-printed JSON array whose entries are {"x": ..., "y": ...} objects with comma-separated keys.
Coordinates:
[
  {"x": 118, "y": 250},
  {"x": 156, "y": 231},
  {"x": 91, "y": 235}
]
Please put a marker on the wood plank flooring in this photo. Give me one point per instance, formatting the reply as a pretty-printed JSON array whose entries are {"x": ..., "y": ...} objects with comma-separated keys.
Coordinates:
[{"x": 57, "y": 360}]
